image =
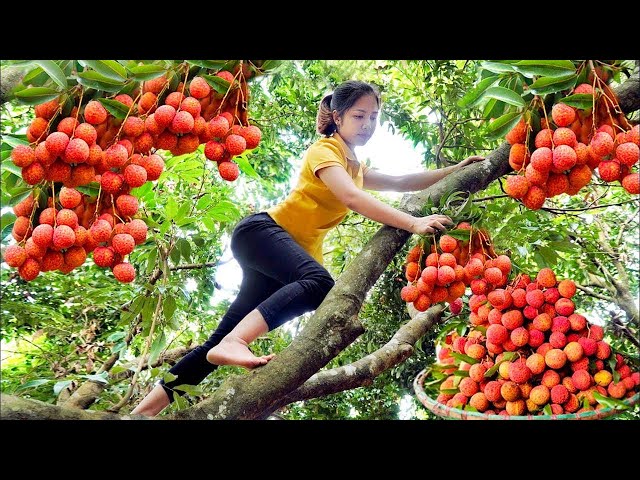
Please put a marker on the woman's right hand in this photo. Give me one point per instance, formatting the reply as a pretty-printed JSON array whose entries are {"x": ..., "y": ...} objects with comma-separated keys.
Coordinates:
[{"x": 430, "y": 224}]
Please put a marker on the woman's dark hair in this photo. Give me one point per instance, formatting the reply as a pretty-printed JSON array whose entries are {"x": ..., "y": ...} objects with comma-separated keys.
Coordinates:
[{"x": 343, "y": 98}]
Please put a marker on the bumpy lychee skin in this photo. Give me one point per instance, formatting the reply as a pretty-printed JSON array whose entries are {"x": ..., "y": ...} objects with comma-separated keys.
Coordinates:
[
  {"x": 544, "y": 138},
  {"x": 517, "y": 134},
  {"x": 154, "y": 165},
  {"x": 15, "y": 255},
  {"x": 199, "y": 88},
  {"x": 33, "y": 174},
  {"x": 77, "y": 151},
  {"x": 67, "y": 125},
  {"x": 516, "y": 186},
  {"x": 124, "y": 272},
  {"x": 214, "y": 150},
  {"x": 563, "y": 115},
  {"x": 100, "y": 230},
  {"x": 95, "y": 113},
  {"x": 29, "y": 270},
  {"x": 23, "y": 156},
  {"x": 43, "y": 235},
  {"x": 133, "y": 126},
  {"x": 56, "y": 143},
  {"x": 557, "y": 183},
  {"x": 564, "y": 136},
  {"x": 555, "y": 358},
  {"x": 116, "y": 155},
  {"x": 564, "y": 157},
  {"x": 226, "y": 75},
  {"x": 409, "y": 293},
  {"x": 63, "y": 236},
  {"x": 164, "y": 115},
  {"x": 235, "y": 144},
  {"x": 601, "y": 144},
  {"x": 103, "y": 256},
  {"x": 135, "y": 175},
  {"x": 579, "y": 176},
  {"x": 70, "y": 197},
  {"x": 219, "y": 126},
  {"x": 628, "y": 153},
  {"x": 609, "y": 170},
  {"x": 534, "y": 198},
  {"x": 252, "y": 135},
  {"x": 127, "y": 205},
  {"x": 123, "y": 243},
  {"x": 191, "y": 105},
  {"x": 183, "y": 122},
  {"x": 137, "y": 229},
  {"x": 228, "y": 170},
  {"x": 631, "y": 183},
  {"x": 48, "y": 109}
]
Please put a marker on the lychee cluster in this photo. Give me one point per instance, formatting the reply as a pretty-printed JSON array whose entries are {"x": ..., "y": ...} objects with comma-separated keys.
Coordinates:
[
  {"x": 60, "y": 234},
  {"x": 528, "y": 351},
  {"x": 451, "y": 266},
  {"x": 92, "y": 145},
  {"x": 569, "y": 149}
]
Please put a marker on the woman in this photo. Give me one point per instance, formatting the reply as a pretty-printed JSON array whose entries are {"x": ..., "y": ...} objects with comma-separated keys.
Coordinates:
[{"x": 280, "y": 250}]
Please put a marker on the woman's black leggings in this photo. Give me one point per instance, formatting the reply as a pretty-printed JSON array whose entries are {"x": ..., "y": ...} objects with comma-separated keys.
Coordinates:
[{"x": 279, "y": 278}]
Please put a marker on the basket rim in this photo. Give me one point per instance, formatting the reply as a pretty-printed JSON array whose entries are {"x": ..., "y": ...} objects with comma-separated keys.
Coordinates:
[{"x": 443, "y": 411}]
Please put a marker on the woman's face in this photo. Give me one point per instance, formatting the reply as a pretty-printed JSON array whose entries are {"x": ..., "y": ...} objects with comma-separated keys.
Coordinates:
[{"x": 357, "y": 124}]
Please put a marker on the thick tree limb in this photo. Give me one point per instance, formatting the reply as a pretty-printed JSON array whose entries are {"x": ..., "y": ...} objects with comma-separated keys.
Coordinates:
[
  {"x": 365, "y": 370},
  {"x": 10, "y": 77}
]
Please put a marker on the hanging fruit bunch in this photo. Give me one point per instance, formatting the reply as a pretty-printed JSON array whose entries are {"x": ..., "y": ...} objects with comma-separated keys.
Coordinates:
[
  {"x": 90, "y": 144},
  {"x": 584, "y": 133}
]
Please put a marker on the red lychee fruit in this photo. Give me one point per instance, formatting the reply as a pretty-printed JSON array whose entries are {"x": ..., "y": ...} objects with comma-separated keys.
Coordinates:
[
  {"x": 563, "y": 115},
  {"x": 63, "y": 236},
  {"x": 534, "y": 198},
  {"x": 516, "y": 186},
  {"x": 219, "y": 126},
  {"x": 631, "y": 183},
  {"x": 228, "y": 170},
  {"x": 33, "y": 174},
  {"x": 544, "y": 138},
  {"x": 137, "y": 229},
  {"x": 199, "y": 88},
  {"x": 518, "y": 133},
  {"x": 183, "y": 122},
  {"x": 601, "y": 144},
  {"x": 103, "y": 256},
  {"x": 70, "y": 197},
  {"x": 123, "y": 243},
  {"x": 235, "y": 144},
  {"x": 23, "y": 156},
  {"x": 154, "y": 165},
  {"x": 252, "y": 135},
  {"x": 564, "y": 136},
  {"x": 48, "y": 109},
  {"x": 124, "y": 272},
  {"x": 127, "y": 205},
  {"x": 95, "y": 113},
  {"x": 100, "y": 231},
  {"x": 29, "y": 270},
  {"x": 564, "y": 157},
  {"x": 409, "y": 293},
  {"x": 135, "y": 175},
  {"x": 15, "y": 255}
]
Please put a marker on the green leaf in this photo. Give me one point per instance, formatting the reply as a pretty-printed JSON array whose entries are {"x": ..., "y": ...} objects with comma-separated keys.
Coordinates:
[
  {"x": 497, "y": 67},
  {"x": 204, "y": 202},
  {"x": 61, "y": 385},
  {"x": 270, "y": 65},
  {"x": 151, "y": 260},
  {"x": 171, "y": 208},
  {"x": 545, "y": 85},
  {"x": 35, "y": 77},
  {"x": 109, "y": 69},
  {"x": 460, "y": 234},
  {"x": 147, "y": 72},
  {"x": 505, "y": 95},
  {"x": 502, "y": 125},
  {"x": 190, "y": 389},
  {"x": 156, "y": 347},
  {"x": 90, "y": 189},
  {"x": 461, "y": 373},
  {"x": 169, "y": 377},
  {"x": 54, "y": 71},
  {"x": 464, "y": 358},
  {"x": 610, "y": 402},
  {"x": 115, "y": 336},
  {"x": 547, "y": 410},
  {"x": 246, "y": 167},
  {"x": 579, "y": 100},
  {"x": 174, "y": 255},
  {"x": 473, "y": 96},
  {"x": 185, "y": 248},
  {"x": 13, "y": 141},
  {"x": 37, "y": 95},
  {"x": 219, "y": 84},
  {"x": 92, "y": 79},
  {"x": 100, "y": 378},
  {"x": 507, "y": 356},
  {"x": 7, "y": 219},
  {"x": 11, "y": 167},
  {"x": 450, "y": 391},
  {"x": 169, "y": 307},
  {"x": 32, "y": 384},
  {"x": 546, "y": 68},
  {"x": 209, "y": 64},
  {"x": 114, "y": 107}
]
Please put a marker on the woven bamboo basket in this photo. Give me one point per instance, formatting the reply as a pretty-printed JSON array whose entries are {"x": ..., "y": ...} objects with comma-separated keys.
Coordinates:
[{"x": 458, "y": 414}]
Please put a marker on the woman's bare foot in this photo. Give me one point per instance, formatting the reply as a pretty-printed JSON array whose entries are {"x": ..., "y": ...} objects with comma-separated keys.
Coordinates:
[{"x": 234, "y": 351}]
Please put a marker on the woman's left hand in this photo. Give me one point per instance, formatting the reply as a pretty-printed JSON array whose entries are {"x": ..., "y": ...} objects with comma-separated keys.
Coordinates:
[{"x": 471, "y": 159}]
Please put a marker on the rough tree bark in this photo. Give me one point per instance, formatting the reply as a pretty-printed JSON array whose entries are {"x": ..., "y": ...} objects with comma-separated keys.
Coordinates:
[{"x": 333, "y": 326}]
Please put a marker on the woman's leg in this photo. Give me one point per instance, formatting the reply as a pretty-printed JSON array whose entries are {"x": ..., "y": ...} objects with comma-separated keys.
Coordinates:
[{"x": 305, "y": 283}]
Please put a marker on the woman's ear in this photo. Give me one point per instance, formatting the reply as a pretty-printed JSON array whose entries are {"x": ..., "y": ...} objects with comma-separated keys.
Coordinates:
[{"x": 336, "y": 117}]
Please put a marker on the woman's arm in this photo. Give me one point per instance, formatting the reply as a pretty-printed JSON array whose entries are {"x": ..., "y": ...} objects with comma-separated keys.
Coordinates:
[
  {"x": 342, "y": 186},
  {"x": 413, "y": 182}
]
